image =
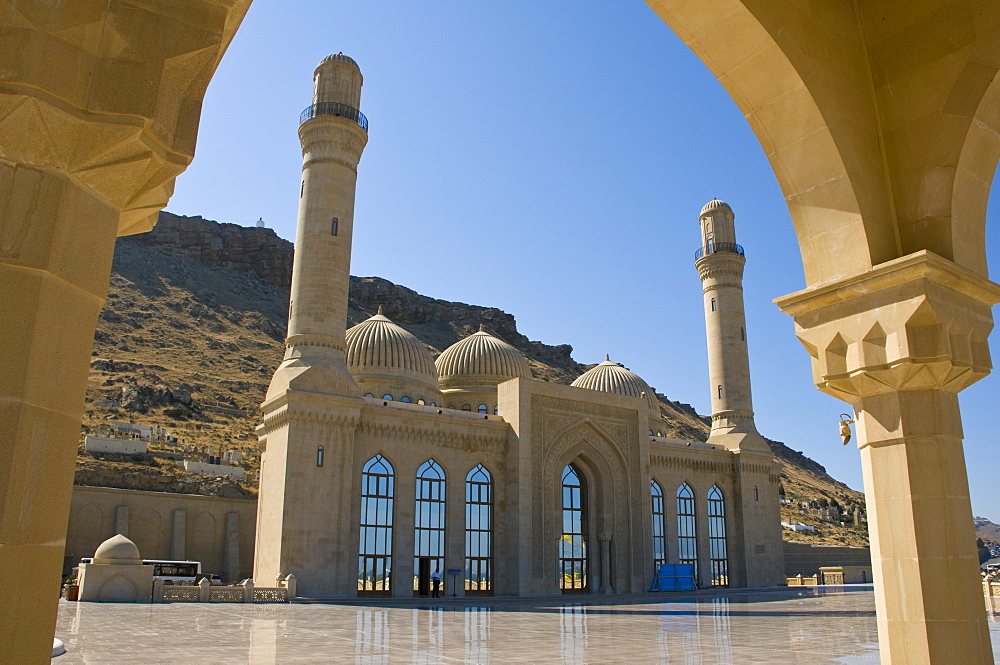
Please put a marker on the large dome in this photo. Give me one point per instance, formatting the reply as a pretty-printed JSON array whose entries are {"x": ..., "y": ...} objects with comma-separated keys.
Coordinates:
[
  {"x": 715, "y": 204},
  {"x": 379, "y": 349},
  {"x": 480, "y": 360},
  {"x": 610, "y": 377},
  {"x": 117, "y": 550}
]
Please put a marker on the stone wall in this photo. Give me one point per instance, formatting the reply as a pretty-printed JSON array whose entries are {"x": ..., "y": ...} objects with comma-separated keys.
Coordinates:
[
  {"x": 805, "y": 559},
  {"x": 217, "y": 532}
]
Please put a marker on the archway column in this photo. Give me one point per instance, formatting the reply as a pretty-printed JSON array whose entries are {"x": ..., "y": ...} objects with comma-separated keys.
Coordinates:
[
  {"x": 898, "y": 343},
  {"x": 97, "y": 118}
]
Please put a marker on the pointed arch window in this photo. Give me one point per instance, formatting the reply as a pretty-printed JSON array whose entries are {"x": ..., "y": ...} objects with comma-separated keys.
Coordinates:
[
  {"x": 428, "y": 526},
  {"x": 717, "y": 551},
  {"x": 479, "y": 531},
  {"x": 687, "y": 528},
  {"x": 659, "y": 526},
  {"x": 375, "y": 551},
  {"x": 573, "y": 573}
]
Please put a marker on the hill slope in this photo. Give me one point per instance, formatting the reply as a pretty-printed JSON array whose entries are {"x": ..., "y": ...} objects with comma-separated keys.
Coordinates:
[{"x": 193, "y": 330}]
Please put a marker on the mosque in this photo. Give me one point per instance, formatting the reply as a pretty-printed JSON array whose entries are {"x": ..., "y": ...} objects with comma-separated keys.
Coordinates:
[{"x": 381, "y": 465}]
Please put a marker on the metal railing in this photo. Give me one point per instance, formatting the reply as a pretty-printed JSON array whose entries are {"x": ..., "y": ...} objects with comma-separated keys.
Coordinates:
[
  {"x": 336, "y": 109},
  {"x": 719, "y": 248}
]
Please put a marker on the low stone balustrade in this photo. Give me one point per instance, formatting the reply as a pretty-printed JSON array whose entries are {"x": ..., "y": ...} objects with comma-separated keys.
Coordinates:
[
  {"x": 204, "y": 592},
  {"x": 991, "y": 590}
]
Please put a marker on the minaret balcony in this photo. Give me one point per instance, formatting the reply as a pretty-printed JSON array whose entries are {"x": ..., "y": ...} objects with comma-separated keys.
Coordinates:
[
  {"x": 719, "y": 248},
  {"x": 335, "y": 109}
]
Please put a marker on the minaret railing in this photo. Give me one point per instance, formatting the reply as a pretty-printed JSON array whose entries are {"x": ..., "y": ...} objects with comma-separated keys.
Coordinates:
[
  {"x": 335, "y": 109},
  {"x": 719, "y": 248}
]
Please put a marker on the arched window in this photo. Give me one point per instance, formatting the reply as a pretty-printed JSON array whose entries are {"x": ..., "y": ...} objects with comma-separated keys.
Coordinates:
[
  {"x": 713, "y": 304},
  {"x": 387, "y": 397},
  {"x": 743, "y": 335},
  {"x": 482, "y": 408},
  {"x": 421, "y": 402},
  {"x": 320, "y": 454},
  {"x": 479, "y": 531},
  {"x": 687, "y": 528},
  {"x": 433, "y": 403},
  {"x": 466, "y": 407},
  {"x": 659, "y": 527},
  {"x": 717, "y": 552},
  {"x": 375, "y": 552},
  {"x": 404, "y": 398},
  {"x": 369, "y": 395},
  {"x": 428, "y": 534},
  {"x": 573, "y": 571},
  {"x": 720, "y": 392},
  {"x": 496, "y": 410}
]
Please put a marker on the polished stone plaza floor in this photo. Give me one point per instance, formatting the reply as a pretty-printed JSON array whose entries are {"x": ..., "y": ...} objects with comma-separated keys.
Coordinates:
[{"x": 781, "y": 627}]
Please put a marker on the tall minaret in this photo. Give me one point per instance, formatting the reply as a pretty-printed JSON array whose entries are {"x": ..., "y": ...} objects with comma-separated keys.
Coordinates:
[
  {"x": 720, "y": 265},
  {"x": 333, "y": 133},
  {"x": 313, "y": 404}
]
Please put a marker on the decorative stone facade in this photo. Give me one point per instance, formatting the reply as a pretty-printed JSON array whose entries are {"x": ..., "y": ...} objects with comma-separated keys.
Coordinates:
[{"x": 378, "y": 466}]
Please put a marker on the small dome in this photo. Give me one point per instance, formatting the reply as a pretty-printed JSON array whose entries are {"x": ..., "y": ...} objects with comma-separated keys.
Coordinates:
[
  {"x": 377, "y": 347},
  {"x": 118, "y": 550},
  {"x": 715, "y": 204},
  {"x": 338, "y": 57},
  {"x": 480, "y": 360},
  {"x": 610, "y": 377}
]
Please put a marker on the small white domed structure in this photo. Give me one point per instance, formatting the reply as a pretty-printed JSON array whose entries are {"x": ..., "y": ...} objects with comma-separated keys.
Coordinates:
[
  {"x": 386, "y": 359},
  {"x": 116, "y": 574},
  {"x": 480, "y": 360},
  {"x": 611, "y": 377},
  {"x": 118, "y": 550}
]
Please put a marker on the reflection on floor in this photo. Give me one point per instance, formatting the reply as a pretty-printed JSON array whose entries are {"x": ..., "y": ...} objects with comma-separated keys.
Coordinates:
[{"x": 779, "y": 627}]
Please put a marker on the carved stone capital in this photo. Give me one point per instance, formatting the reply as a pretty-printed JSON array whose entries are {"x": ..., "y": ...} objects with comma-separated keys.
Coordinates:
[
  {"x": 87, "y": 93},
  {"x": 919, "y": 322}
]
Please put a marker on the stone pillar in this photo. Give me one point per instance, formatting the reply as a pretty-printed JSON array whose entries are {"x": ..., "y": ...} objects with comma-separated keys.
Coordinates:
[
  {"x": 231, "y": 558},
  {"x": 899, "y": 343},
  {"x": 96, "y": 121},
  {"x": 178, "y": 535},
  {"x": 605, "y": 540},
  {"x": 121, "y": 520}
]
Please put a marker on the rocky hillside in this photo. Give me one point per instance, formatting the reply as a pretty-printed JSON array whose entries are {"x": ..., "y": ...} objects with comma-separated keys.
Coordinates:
[{"x": 193, "y": 329}]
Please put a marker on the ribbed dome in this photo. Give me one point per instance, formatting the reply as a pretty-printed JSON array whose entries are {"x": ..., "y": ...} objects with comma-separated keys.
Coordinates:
[
  {"x": 610, "y": 377},
  {"x": 118, "y": 550},
  {"x": 338, "y": 57},
  {"x": 378, "y": 347},
  {"x": 480, "y": 360},
  {"x": 715, "y": 204}
]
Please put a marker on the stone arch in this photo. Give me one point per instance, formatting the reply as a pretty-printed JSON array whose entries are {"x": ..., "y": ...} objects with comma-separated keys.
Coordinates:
[
  {"x": 202, "y": 545},
  {"x": 605, "y": 472},
  {"x": 90, "y": 522},
  {"x": 880, "y": 147},
  {"x": 148, "y": 535},
  {"x": 118, "y": 589}
]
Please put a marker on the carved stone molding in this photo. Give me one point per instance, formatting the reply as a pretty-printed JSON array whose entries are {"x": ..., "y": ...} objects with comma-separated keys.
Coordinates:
[{"x": 916, "y": 323}]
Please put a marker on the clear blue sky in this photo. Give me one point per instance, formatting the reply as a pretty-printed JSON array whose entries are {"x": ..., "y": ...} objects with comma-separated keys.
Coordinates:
[{"x": 549, "y": 163}]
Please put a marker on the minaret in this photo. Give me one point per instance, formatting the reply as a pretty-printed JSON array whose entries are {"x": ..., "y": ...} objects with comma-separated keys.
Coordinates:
[
  {"x": 333, "y": 133},
  {"x": 720, "y": 264},
  {"x": 313, "y": 404}
]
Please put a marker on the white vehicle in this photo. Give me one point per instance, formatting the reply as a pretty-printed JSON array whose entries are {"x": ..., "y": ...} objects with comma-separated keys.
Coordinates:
[{"x": 176, "y": 572}]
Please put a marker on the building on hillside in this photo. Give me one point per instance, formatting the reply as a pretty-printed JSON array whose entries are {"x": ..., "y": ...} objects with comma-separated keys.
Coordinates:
[{"x": 381, "y": 465}]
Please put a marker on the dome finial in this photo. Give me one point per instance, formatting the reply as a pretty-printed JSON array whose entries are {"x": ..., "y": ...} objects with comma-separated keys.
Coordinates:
[
  {"x": 380, "y": 310},
  {"x": 482, "y": 327},
  {"x": 607, "y": 357}
]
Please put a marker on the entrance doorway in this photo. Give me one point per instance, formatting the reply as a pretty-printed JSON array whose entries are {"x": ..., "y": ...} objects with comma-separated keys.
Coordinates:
[{"x": 425, "y": 565}]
